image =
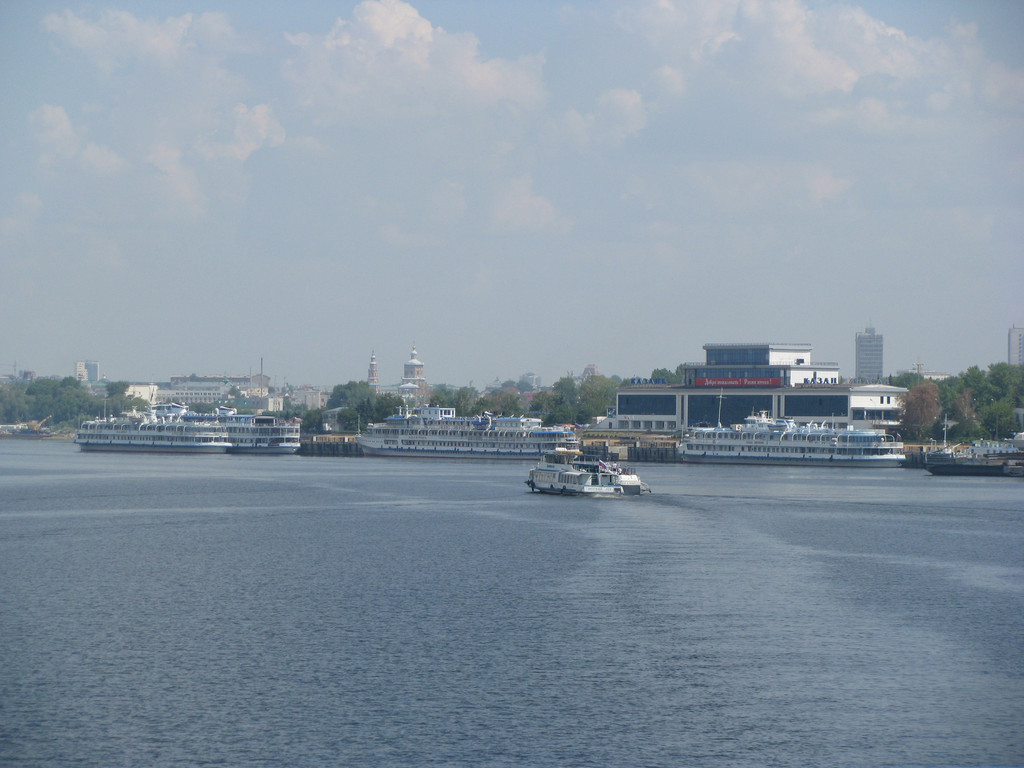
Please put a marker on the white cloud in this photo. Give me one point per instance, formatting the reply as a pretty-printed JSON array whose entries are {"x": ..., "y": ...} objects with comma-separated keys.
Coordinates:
[
  {"x": 20, "y": 221},
  {"x": 101, "y": 160},
  {"x": 390, "y": 60},
  {"x": 447, "y": 202},
  {"x": 60, "y": 140},
  {"x": 119, "y": 37},
  {"x": 764, "y": 185},
  {"x": 623, "y": 113},
  {"x": 823, "y": 184},
  {"x": 670, "y": 80},
  {"x": 56, "y": 134},
  {"x": 782, "y": 36},
  {"x": 518, "y": 208},
  {"x": 179, "y": 182},
  {"x": 693, "y": 31},
  {"x": 250, "y": 129},
  {"x": 618, "y": 114}
]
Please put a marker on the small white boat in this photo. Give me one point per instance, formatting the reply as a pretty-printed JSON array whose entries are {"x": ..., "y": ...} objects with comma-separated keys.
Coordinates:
[{"x": 569, "y": 472}]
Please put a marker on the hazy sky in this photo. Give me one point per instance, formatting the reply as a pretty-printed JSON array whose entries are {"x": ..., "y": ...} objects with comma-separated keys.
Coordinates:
[{"x": 513, "y": 186}]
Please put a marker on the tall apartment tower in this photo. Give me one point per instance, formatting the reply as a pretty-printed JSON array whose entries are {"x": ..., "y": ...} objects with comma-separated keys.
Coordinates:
[
  {"x": 87, "y": 370},
  {"x": 869, "y": 355},
  {"x": 371, "y": 375},
  {"x": 1015, "y": 354}
]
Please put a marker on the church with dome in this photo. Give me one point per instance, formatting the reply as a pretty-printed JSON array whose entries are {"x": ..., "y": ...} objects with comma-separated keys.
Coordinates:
[{"x": 413, "y": 389}]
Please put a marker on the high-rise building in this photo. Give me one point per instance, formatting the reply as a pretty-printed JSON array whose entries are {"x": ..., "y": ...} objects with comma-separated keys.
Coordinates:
[
  {"x": 87, "y": 370},
  {"x": 869, "y": 355},
  {"x": 1015, "y": 354}
]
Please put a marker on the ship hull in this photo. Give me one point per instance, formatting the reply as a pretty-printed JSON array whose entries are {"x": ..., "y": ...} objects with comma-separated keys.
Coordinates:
[
  {"x": 967, "y": 470},
  {"x": 837, "y": 461},
  {"x": 440, "y": 453},
  {"x": 114, "y": 448}
]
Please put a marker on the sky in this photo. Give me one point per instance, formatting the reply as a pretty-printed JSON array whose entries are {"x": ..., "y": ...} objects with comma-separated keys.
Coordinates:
[{"x": 513, "y": 187}]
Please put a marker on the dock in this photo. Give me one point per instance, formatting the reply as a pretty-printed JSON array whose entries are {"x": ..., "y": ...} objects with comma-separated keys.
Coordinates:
[{"x": 330, "y": 445}]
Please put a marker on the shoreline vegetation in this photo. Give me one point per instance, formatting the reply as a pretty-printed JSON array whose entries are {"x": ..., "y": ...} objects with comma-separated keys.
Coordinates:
[{"x": 973, "y": 405}]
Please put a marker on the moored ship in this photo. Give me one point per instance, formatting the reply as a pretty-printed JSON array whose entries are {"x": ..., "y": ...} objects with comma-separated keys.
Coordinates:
[
  {"x": 173, "y": 428},
  {"x": 763, "y": 440},
  {"x": 154, "y": 431},
  {"x": 436, "y": 432},
  {"x": 258, "y": 434},
  {"x": 982, "y": 458}
]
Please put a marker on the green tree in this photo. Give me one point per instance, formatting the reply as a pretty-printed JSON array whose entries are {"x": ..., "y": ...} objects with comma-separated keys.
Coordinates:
[
  {"x": 386, "y": 405},
  {"x": 349, "y": 395},
  {"x": 907, "y": 380},
  {"x": 921, "y": 408},
  {"x": 63, "y": 402},
  {"x": 998, "y": 419},
  {"x": 977, "y": 381},
  {"x": 117, "y": 388},
  {"x": 312, "y": 422},
  {"x": 564, "y": 402},
  {"x": 596, "y": 394},
  {"x": 966, "y": 426},
  {"x": 525, "y": 384},
  {"x": 671, "y": 377},
  {"x": 509, "y": 402},
  {"x": 15, "y": 406},
  {"x": 1006, "y": 381},
  {"x": 462, "y": 399}
]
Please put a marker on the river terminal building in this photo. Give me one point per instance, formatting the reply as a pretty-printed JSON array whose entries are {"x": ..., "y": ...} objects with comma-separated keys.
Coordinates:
[{"x": 737, "y": 380}]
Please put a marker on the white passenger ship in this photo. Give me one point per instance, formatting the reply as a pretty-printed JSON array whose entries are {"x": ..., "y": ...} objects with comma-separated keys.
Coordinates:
[
  {"x": 172, "y": 428},
  {"x": 258, "y": 434},
  {"x": 158, "y": 430},
  {"x": 436, "y": 432},
  {"x": 763, "y": 440},
  {"x": 569, "y": 472}
]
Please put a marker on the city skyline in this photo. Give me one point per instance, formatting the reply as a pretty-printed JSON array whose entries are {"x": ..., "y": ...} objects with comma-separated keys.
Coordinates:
[
  {"x": 520, "y": 187},
  {"x": 372, "y": 372}
]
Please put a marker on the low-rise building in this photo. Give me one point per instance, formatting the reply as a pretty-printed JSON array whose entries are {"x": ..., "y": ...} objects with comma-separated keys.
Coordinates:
[{"x": 737, "y": 380}]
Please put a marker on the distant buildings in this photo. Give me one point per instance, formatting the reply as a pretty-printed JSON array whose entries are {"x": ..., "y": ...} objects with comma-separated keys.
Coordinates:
[
  {"x": 372, "y": 378},
  {"x": 147, "y": 392},
  {"x": 414, "y": 388},
  {"x": 531, "y": 379},
  {"x": 869, "y": 356},
  {"x": 736, "y": 380},
  {"x": 308, "y": 397},
  {"x": 1015, "y": 352},
  {"x": 87, "y": 370}
]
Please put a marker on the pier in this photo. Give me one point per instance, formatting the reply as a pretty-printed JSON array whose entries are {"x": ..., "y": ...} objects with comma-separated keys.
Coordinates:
[{"x": 330, "y": 445}]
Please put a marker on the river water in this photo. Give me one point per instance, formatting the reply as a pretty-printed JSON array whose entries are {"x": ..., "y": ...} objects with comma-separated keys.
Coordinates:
[{"x": 290, "y": 611}]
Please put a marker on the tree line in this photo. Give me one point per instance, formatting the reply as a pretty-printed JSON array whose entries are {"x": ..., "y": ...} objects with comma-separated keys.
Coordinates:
[
  {"x": 65, "y": 403},
  {"x": 61, "y": 403},
  {"x": 568, "y": 402},
  {"x": 973, "y": 405}
]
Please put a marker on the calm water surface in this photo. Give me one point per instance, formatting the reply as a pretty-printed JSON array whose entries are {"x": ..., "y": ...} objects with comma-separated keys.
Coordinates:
[{"x": 252, "y": 611}]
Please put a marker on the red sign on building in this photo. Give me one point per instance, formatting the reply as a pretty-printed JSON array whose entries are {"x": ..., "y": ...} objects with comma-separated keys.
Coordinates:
[{"x": 740, "y": 382}]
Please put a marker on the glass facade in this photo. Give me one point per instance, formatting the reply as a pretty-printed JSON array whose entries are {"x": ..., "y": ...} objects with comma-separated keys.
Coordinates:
[
  {"x": 647, "y": 405},
  {"x": 737, "y": 372},
  {"x": 735, "y": 408},
  {"x": 743, "y": 355},
  {"x": 820, "y": 406}
]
